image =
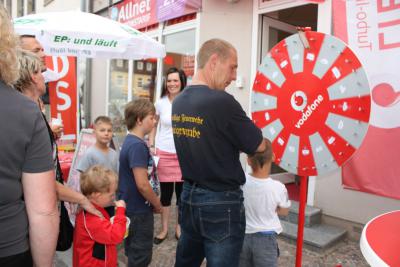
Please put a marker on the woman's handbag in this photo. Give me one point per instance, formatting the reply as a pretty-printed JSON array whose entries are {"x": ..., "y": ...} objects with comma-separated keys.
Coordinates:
[{"x": 65, "y": 235}]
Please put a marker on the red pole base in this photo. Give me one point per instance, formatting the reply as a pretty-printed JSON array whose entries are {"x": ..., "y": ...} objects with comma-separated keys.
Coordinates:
[{"x": 301, "y": 218}]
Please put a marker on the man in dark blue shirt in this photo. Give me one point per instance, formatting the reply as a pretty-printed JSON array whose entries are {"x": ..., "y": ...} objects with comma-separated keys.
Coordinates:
[{"x": 210, "y": 130}]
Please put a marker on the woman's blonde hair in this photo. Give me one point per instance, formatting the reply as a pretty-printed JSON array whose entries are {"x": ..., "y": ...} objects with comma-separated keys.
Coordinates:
[
  {"x": 8, "y": 44},
  {"x": 29, "y": 64},
  {"x": 97, "y": 179}
]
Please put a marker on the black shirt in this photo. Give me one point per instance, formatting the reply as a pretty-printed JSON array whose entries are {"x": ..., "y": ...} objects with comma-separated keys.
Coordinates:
[{"x": 210, "y": 128}]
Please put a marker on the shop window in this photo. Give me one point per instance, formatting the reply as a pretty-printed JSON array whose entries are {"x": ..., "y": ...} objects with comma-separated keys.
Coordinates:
[
  {"x": 118, "y": 96},
  {"x": 20, "y": 8},
  {"x": 144, "y": 77},
  {"x": 31, "y": 6},
  {"x": 8, "y": 5},
  {"x": 180, "y": 49}
]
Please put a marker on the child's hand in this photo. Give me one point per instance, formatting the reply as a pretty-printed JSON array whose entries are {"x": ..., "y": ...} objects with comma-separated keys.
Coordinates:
[{"x": 120, "y": 203}]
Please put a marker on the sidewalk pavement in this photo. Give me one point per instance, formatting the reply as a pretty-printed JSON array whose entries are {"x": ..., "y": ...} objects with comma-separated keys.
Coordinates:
[{"x": 344, "y": 254}]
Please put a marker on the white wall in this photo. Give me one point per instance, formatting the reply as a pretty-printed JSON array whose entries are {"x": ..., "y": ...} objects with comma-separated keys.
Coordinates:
[
  {"x": 233, "y": 23},
  {"x": 349, "y": 204}
]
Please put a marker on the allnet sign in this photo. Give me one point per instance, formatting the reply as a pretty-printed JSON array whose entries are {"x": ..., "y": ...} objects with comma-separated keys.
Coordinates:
[{"x": 141, "y": 13}]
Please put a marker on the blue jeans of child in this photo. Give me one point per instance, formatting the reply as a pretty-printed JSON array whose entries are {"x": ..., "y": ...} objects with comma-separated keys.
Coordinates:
[
  {"x": 213, "y": 225},
  {"x": 139, "y": 243},
  {"x": 259, "y": 250}
]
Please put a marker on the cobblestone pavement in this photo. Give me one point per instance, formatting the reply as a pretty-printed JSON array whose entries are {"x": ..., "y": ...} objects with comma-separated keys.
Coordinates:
[{"x": 345, "y": 253}]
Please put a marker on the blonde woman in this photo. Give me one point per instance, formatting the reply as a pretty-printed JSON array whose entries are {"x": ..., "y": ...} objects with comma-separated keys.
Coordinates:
[
  {"x": 31, "y": 83},
  {"x": 28, "y": 211}
]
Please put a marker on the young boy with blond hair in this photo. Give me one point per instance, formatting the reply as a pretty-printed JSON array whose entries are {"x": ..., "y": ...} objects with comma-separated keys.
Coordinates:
[
  {"x": 101, "y": 153},
  {"x": 95, "y": 238},
  {"x": 264, "y": 200},
  {"x": 135, "y": 176}
]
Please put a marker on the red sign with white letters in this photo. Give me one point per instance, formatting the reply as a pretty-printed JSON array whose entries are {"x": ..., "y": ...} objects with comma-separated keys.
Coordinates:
[{"x": 63, "y": 93}]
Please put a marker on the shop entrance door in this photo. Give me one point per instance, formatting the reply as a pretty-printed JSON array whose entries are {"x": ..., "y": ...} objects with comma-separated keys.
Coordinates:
[{"x": 276, "y": 26}]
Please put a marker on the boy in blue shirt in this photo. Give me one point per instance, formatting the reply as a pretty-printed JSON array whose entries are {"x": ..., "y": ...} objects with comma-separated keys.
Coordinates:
[{"x": 135, "y": 182}]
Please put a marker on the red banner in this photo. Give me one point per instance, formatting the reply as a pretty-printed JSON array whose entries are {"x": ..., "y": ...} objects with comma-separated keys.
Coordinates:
[
  {"x": 372, "y": 30},
  {"x": 63, "y": 93}
]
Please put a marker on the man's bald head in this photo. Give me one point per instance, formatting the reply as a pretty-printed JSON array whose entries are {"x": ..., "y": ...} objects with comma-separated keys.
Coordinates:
[{"x": 30, "y": 43}]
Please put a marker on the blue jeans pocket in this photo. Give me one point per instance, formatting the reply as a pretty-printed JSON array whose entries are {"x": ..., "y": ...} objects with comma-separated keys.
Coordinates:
[{"x": 215, "y": 222}]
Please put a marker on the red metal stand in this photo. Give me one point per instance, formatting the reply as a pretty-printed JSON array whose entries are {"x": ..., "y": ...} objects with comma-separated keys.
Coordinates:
[{"x": 300, "y": 226}]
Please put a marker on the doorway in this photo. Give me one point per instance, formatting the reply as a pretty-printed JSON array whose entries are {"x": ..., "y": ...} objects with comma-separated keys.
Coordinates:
[{"x": 276, "y": 26}]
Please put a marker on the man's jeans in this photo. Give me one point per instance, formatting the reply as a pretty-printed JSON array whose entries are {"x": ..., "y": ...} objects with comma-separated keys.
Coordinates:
[{"x": 213, "y": 226}]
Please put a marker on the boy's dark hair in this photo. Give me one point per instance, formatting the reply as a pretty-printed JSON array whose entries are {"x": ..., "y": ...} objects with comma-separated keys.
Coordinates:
[
  {"x": 136, "y": 110},
  {"x": 258, "y": 159},
  {"x": 97, "y": 179},
  {"x": 182, "y": 78},
  {"x": 103, "y": 119}
]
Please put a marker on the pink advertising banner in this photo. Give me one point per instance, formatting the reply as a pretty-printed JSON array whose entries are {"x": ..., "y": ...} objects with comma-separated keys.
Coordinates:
[
  {"x": 141, "y": 13},
  {"x": 372, "y": 30}
]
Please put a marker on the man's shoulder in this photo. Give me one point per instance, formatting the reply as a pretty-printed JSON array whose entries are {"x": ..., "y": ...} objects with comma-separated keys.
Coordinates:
[{"x": 13, "y": 97}]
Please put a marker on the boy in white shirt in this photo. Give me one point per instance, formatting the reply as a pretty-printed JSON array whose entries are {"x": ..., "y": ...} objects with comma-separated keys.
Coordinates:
[{"x": 264, "y": 200}]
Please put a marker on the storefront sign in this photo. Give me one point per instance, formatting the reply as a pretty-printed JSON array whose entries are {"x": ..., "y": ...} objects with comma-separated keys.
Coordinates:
[
  {"x": 141, "y": 13},
  {"x": 63, "y": 93},
  {"x": 372, "y": 30}
]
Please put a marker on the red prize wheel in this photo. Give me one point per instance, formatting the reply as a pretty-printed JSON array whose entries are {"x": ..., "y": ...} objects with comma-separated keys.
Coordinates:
[{"x": 312, "y": 103}]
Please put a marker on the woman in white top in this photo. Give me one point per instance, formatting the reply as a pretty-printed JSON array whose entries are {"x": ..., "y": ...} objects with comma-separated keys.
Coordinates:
[{"x": 162, "y": 145}]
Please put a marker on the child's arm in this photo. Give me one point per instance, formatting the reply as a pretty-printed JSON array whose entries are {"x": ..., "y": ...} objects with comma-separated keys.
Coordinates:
[
  {"x": 284, "y": 202},
  {"x": 152, "y": 137},
  {"x": 143, "y": 185},
  {"x": 282, "y": 211},
  {"x": 105, "y": 232}
]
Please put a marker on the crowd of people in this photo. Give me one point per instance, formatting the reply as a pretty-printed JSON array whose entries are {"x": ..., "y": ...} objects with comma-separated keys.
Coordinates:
[{"x": 189, "y": 143}]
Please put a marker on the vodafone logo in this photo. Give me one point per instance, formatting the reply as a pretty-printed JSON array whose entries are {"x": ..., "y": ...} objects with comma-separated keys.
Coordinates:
[
  {"x": 386, "y": 101},
  {"x": 298, "y": 100},
  {"x": 310, "y": 109}
]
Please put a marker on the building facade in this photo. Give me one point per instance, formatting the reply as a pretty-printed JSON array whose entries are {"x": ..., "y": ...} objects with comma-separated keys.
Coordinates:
[{"x": 253, "y": 27}]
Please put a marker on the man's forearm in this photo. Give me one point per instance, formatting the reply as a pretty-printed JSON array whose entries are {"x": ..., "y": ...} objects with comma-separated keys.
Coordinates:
[
  {"x": 43, "y": 234},
  {"x": 41, "y": 207}
]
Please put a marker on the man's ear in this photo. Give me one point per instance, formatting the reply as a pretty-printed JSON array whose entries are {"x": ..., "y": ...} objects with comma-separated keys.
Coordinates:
[
  {"x": 213, "y": 61},
  {"x": 34, "y": 78}
]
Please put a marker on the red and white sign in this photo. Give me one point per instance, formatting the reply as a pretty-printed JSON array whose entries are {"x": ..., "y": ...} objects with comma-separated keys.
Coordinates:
[
  {"x": 372, "y": 30},
  {"x": 312, "y": 103},
  {"x": 86, "y": 140},
  {"x": 135, "y": 13},
  {"x": 63, "y": 93},
  {"x": 380, "y": 241}
]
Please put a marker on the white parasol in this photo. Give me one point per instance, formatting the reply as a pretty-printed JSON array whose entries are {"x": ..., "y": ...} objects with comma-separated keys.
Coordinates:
[{"x": 76, "y": 33}]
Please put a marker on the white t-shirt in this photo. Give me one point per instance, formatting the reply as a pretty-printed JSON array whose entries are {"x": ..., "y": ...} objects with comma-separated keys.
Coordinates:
[
  {"x": 261, "y": 198},
  {"x": 164, "y": 137}
]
